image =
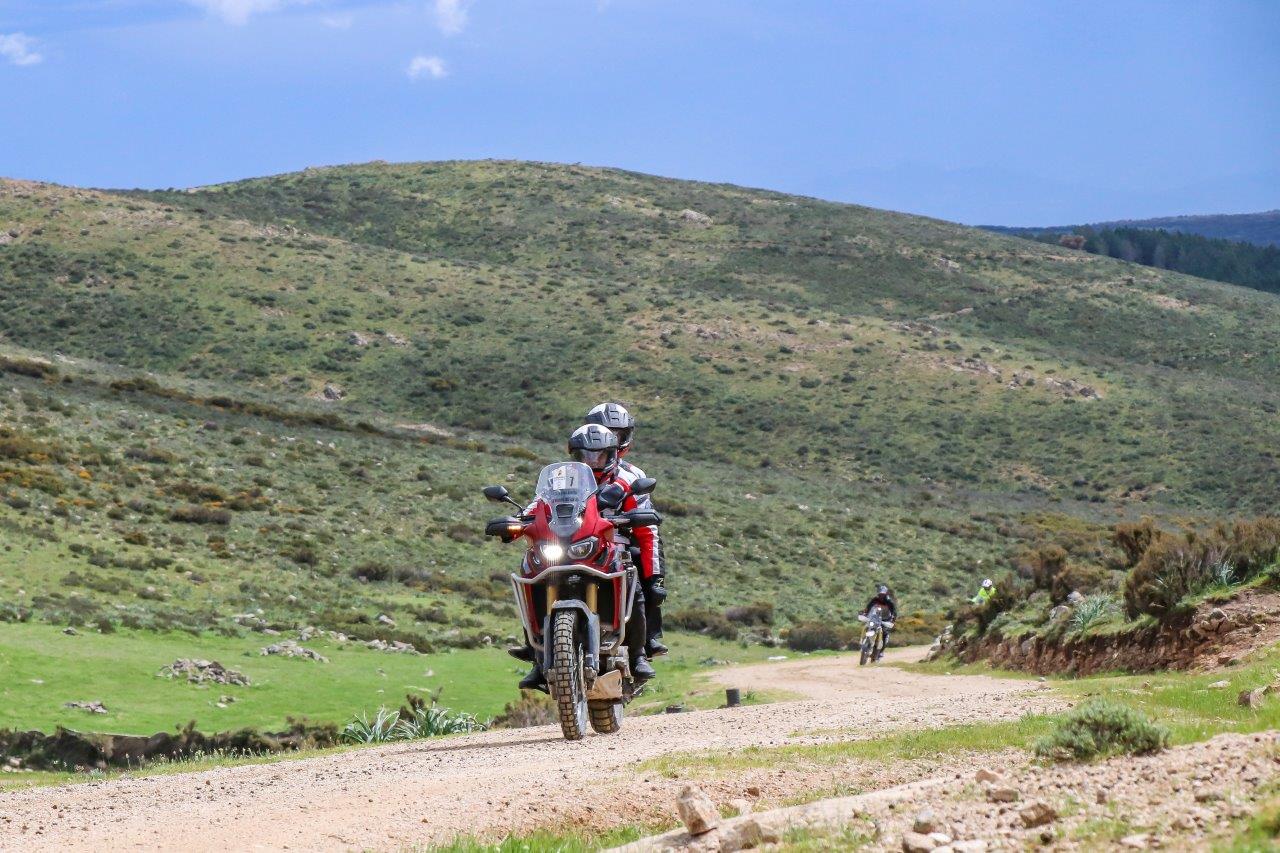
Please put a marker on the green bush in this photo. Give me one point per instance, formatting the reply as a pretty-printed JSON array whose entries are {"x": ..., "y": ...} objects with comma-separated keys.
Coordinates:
[
  {"x": 1099, "y": 728},
  {"x": 812, "y": 636},
  {"x": 1173, "y": 567},
  {"x": 703, "y": 621}
]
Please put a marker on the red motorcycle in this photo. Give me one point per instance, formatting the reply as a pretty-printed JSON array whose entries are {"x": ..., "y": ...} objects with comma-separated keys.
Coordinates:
[{"x": 576, "y": 590}]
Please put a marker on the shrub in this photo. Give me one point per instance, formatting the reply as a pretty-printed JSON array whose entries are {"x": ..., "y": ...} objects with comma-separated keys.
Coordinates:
[
  {"x": 200, "y": 515},
  {"x": 812, "y": 636},
  {"x": 760, "y": 613},
  {"x": 1170, "y": 569},
  {"x": 1093, "y": 609},
  {"x": 1135, "y": 539},
  {"x": 703, "y": 621},
  {"x": 1100, "y": 727},
  {"x": 531, "y": 709}
]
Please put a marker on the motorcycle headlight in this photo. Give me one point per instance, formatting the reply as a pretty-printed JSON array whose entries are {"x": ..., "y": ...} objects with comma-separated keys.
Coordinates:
[
  {"x": 551, "y": 553},
  {"x": 583, "y": 548}
]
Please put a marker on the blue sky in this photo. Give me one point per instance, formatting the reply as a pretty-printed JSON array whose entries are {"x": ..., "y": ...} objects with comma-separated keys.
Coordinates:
[{"x": 983, "y": 112}]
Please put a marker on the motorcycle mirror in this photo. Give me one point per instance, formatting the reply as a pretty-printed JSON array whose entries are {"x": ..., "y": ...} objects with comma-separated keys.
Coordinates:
[
  {"x": 643, "y": 486},
  {"x": 611, "y": 496},
  {"x": 498, "y": 494}
]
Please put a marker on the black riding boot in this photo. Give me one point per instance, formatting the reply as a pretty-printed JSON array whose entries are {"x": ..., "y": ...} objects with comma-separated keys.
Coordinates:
[
  {"x": 636, "y": 634},
  {"x": 535, "y": 680},
  {"x": 655, "y": 593}
]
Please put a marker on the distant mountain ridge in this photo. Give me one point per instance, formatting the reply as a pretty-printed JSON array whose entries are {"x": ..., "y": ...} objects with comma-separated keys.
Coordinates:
[{"x": 1261, "y": 229}]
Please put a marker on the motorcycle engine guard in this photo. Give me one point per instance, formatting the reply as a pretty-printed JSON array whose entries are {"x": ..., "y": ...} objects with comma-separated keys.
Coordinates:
[{"x": 607, "y": 686}]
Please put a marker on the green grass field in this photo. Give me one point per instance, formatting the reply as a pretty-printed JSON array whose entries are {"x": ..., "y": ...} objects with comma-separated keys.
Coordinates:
[{"x": 43, "y": 668}]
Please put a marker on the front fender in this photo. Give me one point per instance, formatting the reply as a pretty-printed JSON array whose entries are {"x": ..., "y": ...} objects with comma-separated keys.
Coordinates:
[{"x": 591, "y": 653}]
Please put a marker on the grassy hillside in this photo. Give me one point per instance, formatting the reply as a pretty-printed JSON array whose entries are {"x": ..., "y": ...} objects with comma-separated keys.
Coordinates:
[{"x": 829, "y": 394}]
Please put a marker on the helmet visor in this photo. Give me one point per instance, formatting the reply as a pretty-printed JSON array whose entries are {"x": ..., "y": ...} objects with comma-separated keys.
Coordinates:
[{"x": 597, "y": 459}]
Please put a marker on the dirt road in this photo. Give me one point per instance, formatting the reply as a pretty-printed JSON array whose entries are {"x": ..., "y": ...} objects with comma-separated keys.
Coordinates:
[{"x": 431, "y": 791}]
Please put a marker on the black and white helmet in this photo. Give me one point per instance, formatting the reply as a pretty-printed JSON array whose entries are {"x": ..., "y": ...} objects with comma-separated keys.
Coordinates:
[
  {"x": 597, "y": 446},
  {"x": 882, "y": 590},
  {"x": 616, "y": 417}
]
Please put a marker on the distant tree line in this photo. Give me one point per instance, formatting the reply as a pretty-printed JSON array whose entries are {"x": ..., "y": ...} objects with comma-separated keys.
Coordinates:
[{"x": 1221, "y": 260}]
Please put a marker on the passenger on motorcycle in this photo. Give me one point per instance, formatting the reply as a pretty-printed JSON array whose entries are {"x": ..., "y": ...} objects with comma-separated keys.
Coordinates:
[
  {"x": 597, "y": 447},
  {"x": 884, "y": 598},
  {"x": 652, "y": 557}
]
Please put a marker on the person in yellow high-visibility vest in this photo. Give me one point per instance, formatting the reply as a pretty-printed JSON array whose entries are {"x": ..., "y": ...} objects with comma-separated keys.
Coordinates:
[{"x": 984, "y": 594}]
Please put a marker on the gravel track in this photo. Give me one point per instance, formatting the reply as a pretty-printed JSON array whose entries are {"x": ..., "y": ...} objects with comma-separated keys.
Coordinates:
[{"x": 389, "y": 798}]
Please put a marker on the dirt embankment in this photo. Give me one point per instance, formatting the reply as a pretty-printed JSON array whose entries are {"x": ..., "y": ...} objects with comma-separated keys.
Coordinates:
[{"x": 1213, "y": 635}]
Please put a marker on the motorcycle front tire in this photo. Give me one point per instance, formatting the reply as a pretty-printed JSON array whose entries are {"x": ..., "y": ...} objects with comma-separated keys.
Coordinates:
[
  {"x": 566, "y": 678},
  {"x": 866, "y": 652}
]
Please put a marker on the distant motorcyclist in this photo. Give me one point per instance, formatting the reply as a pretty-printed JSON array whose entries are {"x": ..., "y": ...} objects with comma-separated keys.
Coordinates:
[
  {"x": 883, "y": 598},
  {"x": 987, "y": 590},
  {"x": 652, "y": 558},
  {"x": 597, "y": 447}
]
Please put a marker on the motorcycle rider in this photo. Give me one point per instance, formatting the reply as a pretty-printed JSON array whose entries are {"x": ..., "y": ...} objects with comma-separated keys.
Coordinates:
[
  {"x": 597, "y": 447},
  {"x": 884, "y": 598},
  {"x": 652, "y": 559}
]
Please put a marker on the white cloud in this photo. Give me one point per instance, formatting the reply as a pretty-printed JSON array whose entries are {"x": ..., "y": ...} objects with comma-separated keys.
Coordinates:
[
  {"x": 338, "y": 22},
  {"x": 19, "y": 49},
  {"x": 426, "y": 66},
  {"x": 238, "y": 12},
  {"x": 451, "y": 15}
]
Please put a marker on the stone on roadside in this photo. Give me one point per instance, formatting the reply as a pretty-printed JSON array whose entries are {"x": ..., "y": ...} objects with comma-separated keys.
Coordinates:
[
  {"x": 741, "y": 806},
  {"x": 1003, "y": 794},
  {"x": 1037, "y": 813},
  {"x": 917, "y": 842},
  {"x": 987, "y": 775},
  {"x": 1219, "y": 685},
  {"x": 926, "y": 822},
  {"x": 1137, "y": 841},
  {"x": 698, "y": 814},
  {"x": 972, "y": 845}
]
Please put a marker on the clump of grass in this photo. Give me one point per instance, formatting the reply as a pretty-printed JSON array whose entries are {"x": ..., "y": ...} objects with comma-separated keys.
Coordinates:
[
  {"x": 417, "y": 721},
  {"x": 1094, "y": 609},
  {"x": 1100, "y": 727}
]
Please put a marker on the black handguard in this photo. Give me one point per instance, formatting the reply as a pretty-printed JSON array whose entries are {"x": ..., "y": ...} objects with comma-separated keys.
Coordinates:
[{"x": 506, "y": 528}]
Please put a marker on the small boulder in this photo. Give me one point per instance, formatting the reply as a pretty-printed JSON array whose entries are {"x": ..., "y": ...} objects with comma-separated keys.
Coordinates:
[
  {"x": 1137, "y": 841},
  {"x": 741, "y": 806},
  {"x": 698, "y": 814},
  {"x": 1003, "y": 794},
  {"x": 1251, "y": 699},
  {"x": 987, "y": 775},
  {"x": 916, "y": 842},
  {"x": 357, "y": 340},
  {"x": 1037, "y": 813},
  {"x": 695, "y": 217},
  {"x": 93, "y": 707},
  {"x": 1075, "y": 597},
  {"x": 69, "y": 631},
  {"x": 384, "y": 619},
  {"x": 332, "y": 392},
  {"x": 972, "y": 845},
  {"x": 1219, "y": 685},
  {"x": 926, "y": 822}
]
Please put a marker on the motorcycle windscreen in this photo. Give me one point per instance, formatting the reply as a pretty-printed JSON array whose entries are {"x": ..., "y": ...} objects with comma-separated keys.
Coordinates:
[{"x": 565, "y": 487}]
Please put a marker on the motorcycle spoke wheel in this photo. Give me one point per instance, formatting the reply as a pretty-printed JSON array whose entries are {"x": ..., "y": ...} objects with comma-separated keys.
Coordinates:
[{"x": 568, "y": 685}]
